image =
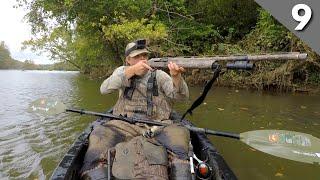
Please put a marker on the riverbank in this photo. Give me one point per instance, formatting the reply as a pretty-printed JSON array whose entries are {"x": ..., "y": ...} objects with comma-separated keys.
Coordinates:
[
  {"x": 260, "y": 81},
  {"x": 263, "y": 78}
]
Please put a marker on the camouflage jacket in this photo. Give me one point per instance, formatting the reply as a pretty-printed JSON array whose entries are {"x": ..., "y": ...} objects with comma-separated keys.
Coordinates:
[{"x": 137, "y": 105}]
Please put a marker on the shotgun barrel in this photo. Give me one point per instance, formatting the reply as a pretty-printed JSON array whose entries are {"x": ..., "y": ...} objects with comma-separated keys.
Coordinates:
[{"x": 206, "y": 62}]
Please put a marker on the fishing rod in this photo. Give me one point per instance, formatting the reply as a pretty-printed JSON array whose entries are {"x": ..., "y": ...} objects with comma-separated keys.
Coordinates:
[{"x": 291, "y": 145}]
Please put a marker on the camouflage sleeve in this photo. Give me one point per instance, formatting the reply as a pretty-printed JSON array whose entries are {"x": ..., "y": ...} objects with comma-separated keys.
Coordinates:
[
  {"x": 172, "y": 92},
  {"x": 116, "y": 81}
]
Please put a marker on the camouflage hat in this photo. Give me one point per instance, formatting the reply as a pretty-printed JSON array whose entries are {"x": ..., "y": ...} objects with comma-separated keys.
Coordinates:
[{"x": 135, "y": 48}]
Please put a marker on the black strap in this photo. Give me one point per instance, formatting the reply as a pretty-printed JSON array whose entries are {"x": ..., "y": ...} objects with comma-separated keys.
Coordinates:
[
  {"x": 128, "y": 91},
  {"x": 216, "y": 72},
  {"x": 155, "y": 85},
  {"x": 152, "y": 90}
]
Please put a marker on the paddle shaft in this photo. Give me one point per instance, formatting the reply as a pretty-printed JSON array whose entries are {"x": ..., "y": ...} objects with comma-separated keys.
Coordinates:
[
  {"x": 291, "y": 145},
  {"x": 212, "y": 132},
  {"x": 150, "y": 122},
  {"x": 108, "y": 115}
]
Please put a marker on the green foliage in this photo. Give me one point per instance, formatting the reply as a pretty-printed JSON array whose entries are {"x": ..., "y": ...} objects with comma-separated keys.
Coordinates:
[
  {"x": 29, "y": 64},
  {"x": 233, "y": 19},
  {"x": 198, "y": 39},
  {"x": 118, "y": 35},
  {"x": 92, "y": 35},
  {"x": 269, "y": 35},
  {"x": 4, "y": 52},
  {"x": 314, "y": 78},
  {"x": 6, "y": 62},
  {"x": 62, "y": 66}
]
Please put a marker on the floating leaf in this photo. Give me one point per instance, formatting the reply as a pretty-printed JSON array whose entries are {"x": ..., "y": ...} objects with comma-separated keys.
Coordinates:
[
  {"x": 278, "y": 174},
  {"x": 244, "y": 108},
  {"x": 303, "y": 107}
]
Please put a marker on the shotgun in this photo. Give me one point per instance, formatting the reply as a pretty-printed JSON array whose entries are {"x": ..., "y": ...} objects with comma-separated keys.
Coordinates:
[{"x": 239, "y": 61}]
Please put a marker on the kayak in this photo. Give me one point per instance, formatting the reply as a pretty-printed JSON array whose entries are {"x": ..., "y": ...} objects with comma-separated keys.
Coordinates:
[{"x": 69, "y": 167}]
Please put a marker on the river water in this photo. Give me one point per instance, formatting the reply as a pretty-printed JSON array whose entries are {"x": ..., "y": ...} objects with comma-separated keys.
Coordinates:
[{"x": 31, "y": 146}]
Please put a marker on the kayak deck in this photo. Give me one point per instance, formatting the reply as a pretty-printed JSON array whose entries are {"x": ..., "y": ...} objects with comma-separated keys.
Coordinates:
[{"x": 70, "y": 165}]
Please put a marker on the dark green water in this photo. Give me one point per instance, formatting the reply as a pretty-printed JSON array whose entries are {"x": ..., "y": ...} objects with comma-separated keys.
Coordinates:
[{"x": 31, "y": 146}]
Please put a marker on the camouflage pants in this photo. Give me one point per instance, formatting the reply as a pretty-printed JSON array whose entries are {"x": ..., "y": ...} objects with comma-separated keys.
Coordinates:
[{"x": 174, "y": 137}]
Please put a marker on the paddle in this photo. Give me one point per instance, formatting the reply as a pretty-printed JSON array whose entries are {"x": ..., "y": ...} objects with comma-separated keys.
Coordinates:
[{"x": 281, "y": 143}]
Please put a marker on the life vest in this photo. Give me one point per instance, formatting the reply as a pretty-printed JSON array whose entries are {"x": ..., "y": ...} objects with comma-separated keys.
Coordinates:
[{"x": 144, "y": 99}]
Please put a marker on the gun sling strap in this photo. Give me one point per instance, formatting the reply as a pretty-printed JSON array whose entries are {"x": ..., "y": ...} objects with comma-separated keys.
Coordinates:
[{"x": 216, "y": 72}]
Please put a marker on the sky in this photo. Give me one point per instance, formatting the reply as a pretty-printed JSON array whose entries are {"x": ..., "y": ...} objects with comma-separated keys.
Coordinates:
[{"x": 14, "y": 30}]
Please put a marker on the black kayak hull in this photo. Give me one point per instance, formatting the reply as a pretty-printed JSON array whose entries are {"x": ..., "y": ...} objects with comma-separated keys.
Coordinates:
[{"x": 70, "y": 165}]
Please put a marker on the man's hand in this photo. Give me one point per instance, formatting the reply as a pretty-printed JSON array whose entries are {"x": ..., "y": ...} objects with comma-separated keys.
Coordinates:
[
  {"x": 175, "y": 72},
  {"x": 141, "y": 68}
]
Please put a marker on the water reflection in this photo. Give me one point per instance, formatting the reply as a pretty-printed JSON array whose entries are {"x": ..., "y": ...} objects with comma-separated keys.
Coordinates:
[
  {"x": 31, "y": 146},
  {"x": 241, "y": 110},
  {"x": 27, "y": 141}
]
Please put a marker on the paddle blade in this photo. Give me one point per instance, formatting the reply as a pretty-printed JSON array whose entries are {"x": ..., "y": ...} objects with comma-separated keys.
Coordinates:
[
  {"x": 46, "y": 107},
  {"x": 285, "y": 144}
]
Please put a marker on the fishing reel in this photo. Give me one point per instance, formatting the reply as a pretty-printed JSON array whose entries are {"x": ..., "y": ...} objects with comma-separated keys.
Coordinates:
[{"x": 202, "y": 170}]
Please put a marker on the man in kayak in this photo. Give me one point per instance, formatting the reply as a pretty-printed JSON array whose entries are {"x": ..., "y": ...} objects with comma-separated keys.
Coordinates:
[{"x": 143, "y": 93}]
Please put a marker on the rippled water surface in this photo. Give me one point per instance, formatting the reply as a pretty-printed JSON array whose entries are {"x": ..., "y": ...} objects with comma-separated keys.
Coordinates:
[{"x": 32, "y": 146}]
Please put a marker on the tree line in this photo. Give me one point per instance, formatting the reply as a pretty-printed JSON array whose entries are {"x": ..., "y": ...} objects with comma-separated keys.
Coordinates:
[
  {"x": 91, "y": 35},
  {"x": 7, "y": 62}
]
